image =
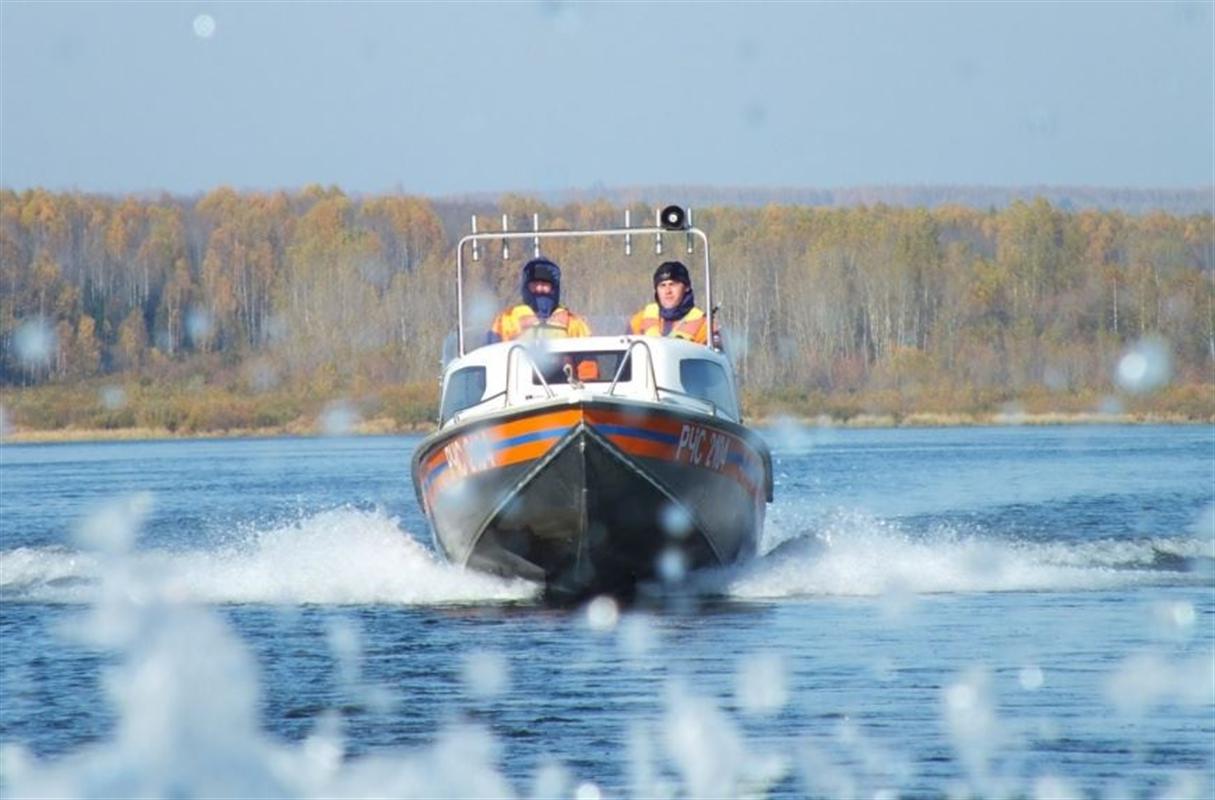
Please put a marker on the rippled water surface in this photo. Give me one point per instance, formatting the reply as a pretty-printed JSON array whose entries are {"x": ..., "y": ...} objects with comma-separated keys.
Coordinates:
[{"x": 989, "y": 611}]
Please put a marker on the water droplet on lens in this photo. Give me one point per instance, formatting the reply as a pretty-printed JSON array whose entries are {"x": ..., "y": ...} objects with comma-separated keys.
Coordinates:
[
  {"x": 675, "y": 520},
  {"x": 35, "y": 342},
  {"x": 672, "y": 565},
  {"x": 1031, "y": 678},
  {"x": 587, "y": 791},
  {"x": 485, "y": 673},
  {"x": 113, "y": 397},
  {"x": 1146, "y": 366},
  {"x": 204, "y": 26},
  {"x": 760, "y": 684},
  {"x": 338, "y": 419},
  {"x": 602, "y": 613},
  {"x": 198, "y": 326}
]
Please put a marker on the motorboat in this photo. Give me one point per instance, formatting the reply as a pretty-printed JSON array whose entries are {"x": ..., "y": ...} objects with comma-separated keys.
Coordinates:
[{"x": 635, "y": 471}]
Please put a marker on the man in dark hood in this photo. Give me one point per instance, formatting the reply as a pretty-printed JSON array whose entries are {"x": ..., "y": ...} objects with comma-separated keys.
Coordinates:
[{"x": 541, "y": 314}]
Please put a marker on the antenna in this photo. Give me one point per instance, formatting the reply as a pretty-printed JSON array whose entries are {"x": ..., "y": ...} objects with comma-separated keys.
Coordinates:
[
  {"x": 476, "y": 248},
  {"x": 689, "y": 234},
  {"x": 628, "y": 237},
  {"x": 535, "y": 239},
  {"x": 658, "y": 236},
  {"x": 505, "y": 242}
]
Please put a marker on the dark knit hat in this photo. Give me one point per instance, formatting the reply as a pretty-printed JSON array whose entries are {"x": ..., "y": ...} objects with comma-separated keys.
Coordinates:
[{"x": 672, "y": 271}]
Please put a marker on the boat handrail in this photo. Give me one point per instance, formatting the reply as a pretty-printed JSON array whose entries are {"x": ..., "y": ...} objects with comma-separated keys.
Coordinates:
[
  {"x": 658, "y": 231},
  {"x": 628, "y": 354},
  {"x": 712, "y": 406},
  {"x": 511, "y": 360}
]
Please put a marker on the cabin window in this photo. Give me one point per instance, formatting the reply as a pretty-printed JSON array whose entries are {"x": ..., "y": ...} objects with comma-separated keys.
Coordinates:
[
  {"x": 707, "y": 380},
  {"x": 465, "y": 388},
  {"x": 597, "y": 365}
]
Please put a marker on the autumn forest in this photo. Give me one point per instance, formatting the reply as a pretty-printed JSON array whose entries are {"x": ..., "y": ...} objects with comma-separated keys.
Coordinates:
[{"x": 260, "y": 311}]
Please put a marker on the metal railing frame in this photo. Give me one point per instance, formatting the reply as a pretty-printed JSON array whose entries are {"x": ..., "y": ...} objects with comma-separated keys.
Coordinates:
[{"x": 536, "y": 235}]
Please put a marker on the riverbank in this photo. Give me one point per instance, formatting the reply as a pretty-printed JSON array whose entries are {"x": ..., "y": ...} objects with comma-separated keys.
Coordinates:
[
  {"x": 387, "y": 427},
  {"x": 141, "y": 410}
]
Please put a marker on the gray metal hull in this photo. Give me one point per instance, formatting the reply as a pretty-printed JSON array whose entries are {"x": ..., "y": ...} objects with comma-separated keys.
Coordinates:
[{"x": 588, "y": 516}]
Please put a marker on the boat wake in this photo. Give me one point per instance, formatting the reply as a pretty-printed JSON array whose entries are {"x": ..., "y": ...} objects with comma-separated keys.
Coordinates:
[
  {"x": 854, "y": 554},
  {"x": 341, "y": 556},
  {"x": 353, "y": 557}
]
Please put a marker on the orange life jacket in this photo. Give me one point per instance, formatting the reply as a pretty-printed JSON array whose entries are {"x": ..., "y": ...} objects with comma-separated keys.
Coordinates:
[
  {"x": 522, "y": 321},
  {"x": 649, "y": 322}
]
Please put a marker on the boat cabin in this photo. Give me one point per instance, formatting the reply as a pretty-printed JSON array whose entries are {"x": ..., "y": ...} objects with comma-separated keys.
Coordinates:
[{"x": 642, "y": 369}]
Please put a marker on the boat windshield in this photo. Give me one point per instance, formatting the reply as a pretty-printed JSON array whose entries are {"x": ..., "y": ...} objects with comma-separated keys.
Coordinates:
[{"x": 595, "y": 365}]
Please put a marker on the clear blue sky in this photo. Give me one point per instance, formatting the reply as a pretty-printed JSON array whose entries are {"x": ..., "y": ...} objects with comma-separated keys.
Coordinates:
[{"x": 449, "y": 98}]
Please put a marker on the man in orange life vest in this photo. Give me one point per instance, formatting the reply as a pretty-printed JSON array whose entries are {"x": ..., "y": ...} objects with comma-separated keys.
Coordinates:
[
  {"x": 541, "y": 314},
  {"x": 674, "y": 312}
]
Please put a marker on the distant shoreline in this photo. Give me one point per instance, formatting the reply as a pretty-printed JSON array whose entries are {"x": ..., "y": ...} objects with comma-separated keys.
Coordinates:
[{"x": 385, "y": 427}]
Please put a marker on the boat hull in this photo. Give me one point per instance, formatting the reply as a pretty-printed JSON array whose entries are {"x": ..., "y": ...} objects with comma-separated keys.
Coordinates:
[{"x": 596, "y": 495}]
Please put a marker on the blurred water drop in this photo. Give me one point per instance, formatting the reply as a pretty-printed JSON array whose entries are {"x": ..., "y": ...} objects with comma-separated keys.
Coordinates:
[
  {"x": 1111, "y": 407},
  {"x": 275, "y": 329},
  {"x": 262, "y": 375},
  {"x": 1187, "y": 786},
  {"x": 551, "y": 781},
  {"x": 198, "y": 326},
  {"x": 482, "y": 308},
  {"x": 486, "y": 673},
  {"x": 1042, "y": 121},
  {"x": 35, "y": 343},
  {"x": 1055, "y": 379},
  {"x": 885, "y": 669},
  {"x": 587, "y": 791},
  {"x": 675, "y": 520},
  {"x": 344, "y": 643},
  {"x": 672, "y": 565},
  {"x": 898, "y": 600},
  {"x": 637, "y": 638},
  {"x": 113, "y": 397},
  {"x": 1145, "y": 680},
  {"x": 113, "y": 527},
  {"x": 706, "y": 747},
  {"x": 755, "y": 114},
  {"x": 1031, "y": 678},
  {"x": 338, "y": 419},
  {"x": 204, "y": 26},
  {"x": 1011, "y": 414},
  {"x": 1204, "y": 529},
  {"x": 760, "y": 685},
  {"x": 602, "y": 613},
  {"x": 16, "y": 763},
  {"x": 974, "y": 729},
  {"x": 1146, "y": 366},
  {"x": 324, "y": 748},
  {"x": 1175, "y": 617},
  {"x": 1051, "y": 787}
]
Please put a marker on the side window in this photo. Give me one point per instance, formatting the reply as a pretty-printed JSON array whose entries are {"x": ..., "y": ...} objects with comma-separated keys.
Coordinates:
[
  {"x": 465, "y": 388},
  {"x": 707, "y": 380}
]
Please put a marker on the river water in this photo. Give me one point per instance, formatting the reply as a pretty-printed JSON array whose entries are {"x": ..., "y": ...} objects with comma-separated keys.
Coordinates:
[{"x": 989, "y": 612}]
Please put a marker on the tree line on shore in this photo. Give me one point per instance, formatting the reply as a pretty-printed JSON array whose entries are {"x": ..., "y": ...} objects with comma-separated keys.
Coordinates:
[{"x": 290, "y": 299}]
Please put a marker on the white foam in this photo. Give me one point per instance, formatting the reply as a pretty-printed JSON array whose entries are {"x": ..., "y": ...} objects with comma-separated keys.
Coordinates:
[
  {"x": 857, "y": 555},
  {"x": 334, "y": 557}
]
